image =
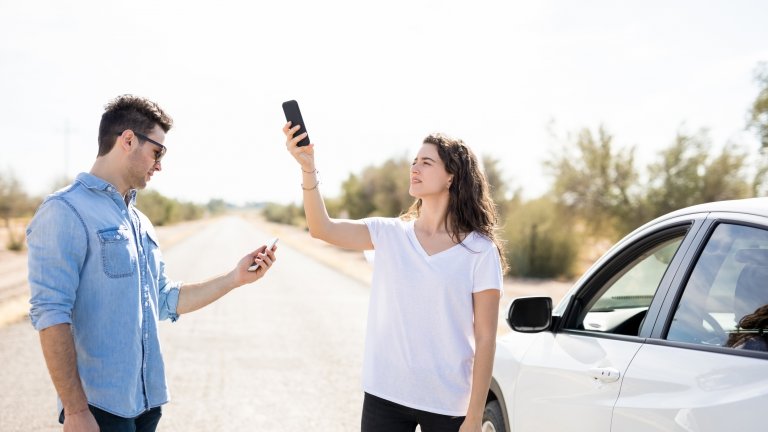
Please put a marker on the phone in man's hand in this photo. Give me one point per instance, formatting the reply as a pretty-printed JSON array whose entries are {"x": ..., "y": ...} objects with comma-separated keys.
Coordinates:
[
  {"x": 293, "y": 115},
  {"x": 270, "y": 245}
]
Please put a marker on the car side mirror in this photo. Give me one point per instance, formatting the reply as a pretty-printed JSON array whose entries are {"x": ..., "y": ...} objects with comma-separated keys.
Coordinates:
[{"x": 530, "y": 314}]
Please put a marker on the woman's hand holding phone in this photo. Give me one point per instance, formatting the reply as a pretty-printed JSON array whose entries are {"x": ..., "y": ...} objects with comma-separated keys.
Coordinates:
[{"x": 304, "y": 155}]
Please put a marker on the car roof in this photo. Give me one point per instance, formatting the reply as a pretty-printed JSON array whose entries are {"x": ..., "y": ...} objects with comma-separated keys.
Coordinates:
[
  {"x": 749, "y": 206},
  {"x": 755, "y": 206}
]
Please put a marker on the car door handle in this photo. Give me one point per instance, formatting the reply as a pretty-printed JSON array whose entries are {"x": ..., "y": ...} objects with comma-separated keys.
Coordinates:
[{"x": 605, "y": 374}]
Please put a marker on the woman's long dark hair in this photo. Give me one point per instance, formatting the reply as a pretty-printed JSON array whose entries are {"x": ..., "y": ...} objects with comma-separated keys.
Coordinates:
[
  {"x": 757, "y": 322},
  {"x": 470, "y": 206}
]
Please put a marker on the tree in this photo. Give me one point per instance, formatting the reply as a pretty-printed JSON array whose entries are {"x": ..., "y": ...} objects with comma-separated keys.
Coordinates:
[
  {"x": 216, "y": 206},
  {"x": 759, "y": 122},
  {"x": 760, "y": 178},
  {"x": 676, "y": 178},
  {"x": 162, "y": 210},
  {"x": 14, "y": 203},
  {"x": 389, "y": 185},
  {"x": 378, "y": 190},
  {"x": 759, "y": 112},
  {"x": 290, "y": 214},
  {"x": 686, "y": 175},
  {"x": 540, "y": 241},
  {"x": 724, "y": 176},
  {"x": 355, "y": 199},
  {"x": 596, "y": 182},
  {"x": 495, "y": 177}
]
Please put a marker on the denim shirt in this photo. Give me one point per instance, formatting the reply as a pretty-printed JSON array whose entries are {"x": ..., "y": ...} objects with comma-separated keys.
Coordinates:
[{"x": 94, "y": 262}]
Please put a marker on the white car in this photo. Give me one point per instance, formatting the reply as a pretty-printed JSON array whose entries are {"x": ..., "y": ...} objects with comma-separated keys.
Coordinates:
[{"x": 663, "y": 333}]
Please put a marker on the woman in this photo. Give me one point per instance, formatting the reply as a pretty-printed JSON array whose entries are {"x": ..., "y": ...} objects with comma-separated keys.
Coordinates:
[
  {"x": 755, "y": 337},
  {"x": 435, "y": 293}
]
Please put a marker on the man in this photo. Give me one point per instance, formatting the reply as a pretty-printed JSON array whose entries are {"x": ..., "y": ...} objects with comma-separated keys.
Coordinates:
[{"x": 98, "y": 283}]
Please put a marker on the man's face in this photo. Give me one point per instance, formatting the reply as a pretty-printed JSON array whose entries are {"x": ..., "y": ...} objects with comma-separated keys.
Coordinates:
[{"x": 143, "y": 161}]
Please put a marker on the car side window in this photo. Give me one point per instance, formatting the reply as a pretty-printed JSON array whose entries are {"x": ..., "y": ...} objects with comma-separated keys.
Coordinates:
[
  {"x": 725, "y": 302},
  {"x": 620, "y": 304}
]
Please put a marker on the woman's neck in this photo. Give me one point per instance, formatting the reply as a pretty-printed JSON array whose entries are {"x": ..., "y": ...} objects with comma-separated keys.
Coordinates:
[{"x": 433, "y": 216}]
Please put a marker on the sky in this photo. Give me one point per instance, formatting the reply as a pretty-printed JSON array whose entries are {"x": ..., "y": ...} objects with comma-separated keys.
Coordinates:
[{"x": 513, "y": 79}]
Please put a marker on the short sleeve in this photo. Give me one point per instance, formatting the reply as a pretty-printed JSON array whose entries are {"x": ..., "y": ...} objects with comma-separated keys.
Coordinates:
[
  {"x": 58, "y": 245},
  {"x": 488, "y": 271},
  {"x": 375, "y": 228}
]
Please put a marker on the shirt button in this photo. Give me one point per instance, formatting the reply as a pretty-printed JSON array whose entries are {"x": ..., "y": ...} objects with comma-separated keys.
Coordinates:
[{"x": 122, "y": 211}]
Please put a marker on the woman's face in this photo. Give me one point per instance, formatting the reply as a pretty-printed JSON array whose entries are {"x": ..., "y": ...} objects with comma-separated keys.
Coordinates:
[{"x": 428, "y": 174}]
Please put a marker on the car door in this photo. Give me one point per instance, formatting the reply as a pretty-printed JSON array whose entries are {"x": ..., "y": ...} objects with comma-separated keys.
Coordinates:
[
  {"x": 705, "y": 367},
  {"x": 570, "y": 378}
]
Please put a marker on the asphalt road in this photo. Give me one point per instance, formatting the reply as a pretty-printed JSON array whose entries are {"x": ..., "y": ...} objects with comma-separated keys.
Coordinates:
[{"x": 281, "y": 354}]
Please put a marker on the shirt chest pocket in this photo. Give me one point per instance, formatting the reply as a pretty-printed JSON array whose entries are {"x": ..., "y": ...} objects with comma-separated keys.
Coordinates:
[{"x": 116, "y": 256}]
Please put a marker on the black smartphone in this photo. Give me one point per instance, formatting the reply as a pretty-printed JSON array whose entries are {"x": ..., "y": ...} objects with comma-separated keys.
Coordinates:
[{"x": 293, "y": 115}]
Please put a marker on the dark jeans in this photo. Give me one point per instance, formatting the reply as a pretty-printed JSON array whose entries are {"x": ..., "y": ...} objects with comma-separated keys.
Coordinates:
[
  {"x": 145, "y": 422},
  {"x": 381, "y": 415}
]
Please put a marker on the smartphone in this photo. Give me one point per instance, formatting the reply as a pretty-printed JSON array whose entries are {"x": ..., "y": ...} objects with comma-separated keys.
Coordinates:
[
  {"x": 293, "y": 115},
  {"x": 270, "y": 244}
]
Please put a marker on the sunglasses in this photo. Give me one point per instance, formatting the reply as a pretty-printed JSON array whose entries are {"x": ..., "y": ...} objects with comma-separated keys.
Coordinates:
[{"x": 158, "y": 154}]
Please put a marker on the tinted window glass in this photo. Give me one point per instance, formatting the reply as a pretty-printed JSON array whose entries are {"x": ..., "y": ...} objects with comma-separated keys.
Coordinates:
[
  {"x": 725, "y": 302},
  {"x": 620, "y": 305}
]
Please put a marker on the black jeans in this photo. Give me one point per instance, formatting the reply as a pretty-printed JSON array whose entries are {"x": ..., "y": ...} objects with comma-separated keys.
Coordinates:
[
  {"x": 381, "y": 415},
  {"x": 145, "y": 422}
]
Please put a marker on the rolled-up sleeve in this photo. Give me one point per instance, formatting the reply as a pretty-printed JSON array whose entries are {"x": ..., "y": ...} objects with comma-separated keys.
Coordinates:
[
  {"x": 169, "y": 300},
  {"x": 58, "y": 244},
  {"x": 168, "y": 290}
]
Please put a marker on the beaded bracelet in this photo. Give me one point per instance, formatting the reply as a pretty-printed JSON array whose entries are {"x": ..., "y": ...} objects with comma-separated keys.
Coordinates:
[{"x": 312, "y": 188}]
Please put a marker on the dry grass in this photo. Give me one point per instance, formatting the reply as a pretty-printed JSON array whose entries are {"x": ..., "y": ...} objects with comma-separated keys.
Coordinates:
[{"x": 13, "y": 238}]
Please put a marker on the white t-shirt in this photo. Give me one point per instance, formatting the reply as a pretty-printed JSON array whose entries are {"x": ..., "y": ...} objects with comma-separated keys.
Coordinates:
[{"x": 420, "y": 344}]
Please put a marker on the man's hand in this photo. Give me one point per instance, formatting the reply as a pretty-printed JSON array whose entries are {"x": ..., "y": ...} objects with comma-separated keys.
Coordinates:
[
  {"x": 265, "y": 258},
  {"x": 81, "y": 421},
  {"x": 198, "y": 295}
]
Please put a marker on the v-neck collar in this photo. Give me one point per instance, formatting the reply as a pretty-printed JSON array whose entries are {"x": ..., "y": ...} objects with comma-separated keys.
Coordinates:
[{"x": 411, "y": 231}]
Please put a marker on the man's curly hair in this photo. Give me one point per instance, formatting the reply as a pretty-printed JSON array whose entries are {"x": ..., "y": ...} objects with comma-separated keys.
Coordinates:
[{"x": 130, "y": 112}]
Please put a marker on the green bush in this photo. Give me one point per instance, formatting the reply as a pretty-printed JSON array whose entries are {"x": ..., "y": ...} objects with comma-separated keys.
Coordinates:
[
  {"x": 378, "y": 191},
  {"x": 290, "y": 214},
  {"x": 162, "y": 210},
  {"x": 16, "y": 241},
  {"x": 14, "y": 204},
  {"x": 539, "y": 241}
]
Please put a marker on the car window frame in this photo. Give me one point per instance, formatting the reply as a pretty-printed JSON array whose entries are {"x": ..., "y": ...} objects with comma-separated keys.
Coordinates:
[
  {"x": 627, "y": 252},
  {"x": 677, "y": 287}
]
